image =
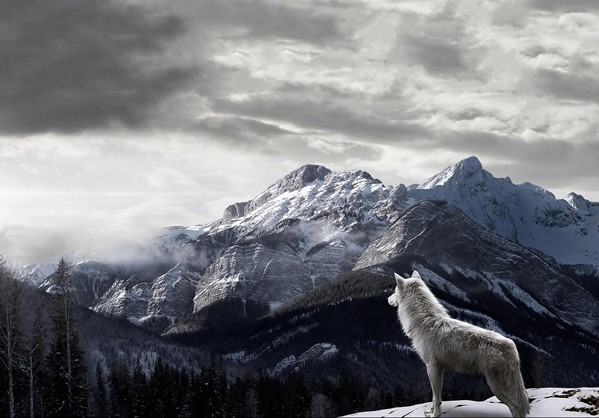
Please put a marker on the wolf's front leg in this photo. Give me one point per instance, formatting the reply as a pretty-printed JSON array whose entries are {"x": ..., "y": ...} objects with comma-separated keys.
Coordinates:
[{"x": 435, "y": 376}]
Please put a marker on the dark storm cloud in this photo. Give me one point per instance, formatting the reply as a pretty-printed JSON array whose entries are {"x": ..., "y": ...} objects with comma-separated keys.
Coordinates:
[
  {"x": 507, "y": 146},
  {"x": 439, "y": 43},
  {"x": 562, "y": 85},
  {"x": 326, "y": 115},
  {"x": 271, "y": 139},
  {"x": 437, "y": 55},
  {"x": 262, "y": 19},
  {"x": 73, "y": 65},
  {"x": 234, "y": 129},
  {"x": 565, "y": 6}
]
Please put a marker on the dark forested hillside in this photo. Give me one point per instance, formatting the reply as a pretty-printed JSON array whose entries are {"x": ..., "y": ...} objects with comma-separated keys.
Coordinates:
[
  {"x": 53, "y": 350},
  {"x": 351, "y": 314}
]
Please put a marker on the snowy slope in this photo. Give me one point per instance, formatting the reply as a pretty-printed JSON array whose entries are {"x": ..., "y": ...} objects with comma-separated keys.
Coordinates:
[{"x": 545, "y": 402}]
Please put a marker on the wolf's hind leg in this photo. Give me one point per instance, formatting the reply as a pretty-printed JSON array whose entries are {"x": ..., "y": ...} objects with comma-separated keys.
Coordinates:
[{"x": 435, "y": 376}]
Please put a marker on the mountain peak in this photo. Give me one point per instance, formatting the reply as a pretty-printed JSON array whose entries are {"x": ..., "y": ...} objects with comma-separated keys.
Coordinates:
[
  {"x": 467, "y": 168},
  {"x": 470, "y": 164},
  {"x": 578, "y": 202},
  {"x": 303, "y": 176}
]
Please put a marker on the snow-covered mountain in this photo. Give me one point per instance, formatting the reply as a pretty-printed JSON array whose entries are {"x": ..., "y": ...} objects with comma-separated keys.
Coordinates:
[
  {"x": 307, "y": 228},
  {"x": 313, "y": 225},
  {"x": 35, "y": 273},
  {"x": 445, "y": 242},
  {"x": 565, "y": 229},
  {"x": 544, "y": 402}
]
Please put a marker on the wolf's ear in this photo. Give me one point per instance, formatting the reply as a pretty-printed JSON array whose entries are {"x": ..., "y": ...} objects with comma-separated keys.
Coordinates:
[
  {"x": 416, "y": 275},
  {"x": 400, "y": 280}
]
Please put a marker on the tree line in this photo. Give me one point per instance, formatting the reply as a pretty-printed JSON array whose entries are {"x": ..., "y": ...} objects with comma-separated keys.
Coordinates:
[{"x": 169, "y": 392}]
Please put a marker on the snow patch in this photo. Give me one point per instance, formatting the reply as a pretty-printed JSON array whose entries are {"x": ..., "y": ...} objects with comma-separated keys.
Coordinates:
[{"x": 545, "y": 402}]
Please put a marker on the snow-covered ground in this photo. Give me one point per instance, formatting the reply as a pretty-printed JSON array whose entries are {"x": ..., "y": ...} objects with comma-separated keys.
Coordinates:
[{"x": 545, "y": 402}]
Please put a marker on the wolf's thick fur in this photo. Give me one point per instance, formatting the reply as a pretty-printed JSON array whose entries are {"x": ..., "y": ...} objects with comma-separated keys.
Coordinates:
[{"x": 445, "y": 343}]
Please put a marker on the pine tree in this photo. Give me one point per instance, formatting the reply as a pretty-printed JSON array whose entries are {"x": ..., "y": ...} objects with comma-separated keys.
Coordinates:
[
  {"x": 9, "y": 332},
  {"x": 67, "y": 368},
  {"x": 214, "y": 393},
  {"x": 158, "y": 386},
  {"x": 138, "y": 389},
  {"x": 192, "y": 406},
  {"x": 101, "y": 406},
  {"x": 298, "y": 402},
  {"x": 119, "y": 382},
  {"x": 34, "y": 351}
]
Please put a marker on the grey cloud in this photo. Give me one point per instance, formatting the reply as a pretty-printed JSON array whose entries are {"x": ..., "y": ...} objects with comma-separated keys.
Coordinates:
[
  {"x": 27, "y": 244},
  {"x": 437, "y": 55},
  {"x": 564, "y": 165},
  {"x": 565, "y": 6},
  {"x": 267, "y": 138},
  {"x": 534, "y": 51},
  {"x": 234, "y": 128},
  {"x": 562, "y": 85},
  {"x": 308, "y": 149},
  {"x": 325, "y": 115},
  {"x": 467, "y": 114},
  {"x": 514, "y": 13},
  {"x": 439, "y": 43},
  {"x": 564, "y": 162},
  {"x": 264, "y": 19},
  {"x": 70, "y": 66},
  {"x": 342, "y": 150},
  {"x": 545, "y": 151}
]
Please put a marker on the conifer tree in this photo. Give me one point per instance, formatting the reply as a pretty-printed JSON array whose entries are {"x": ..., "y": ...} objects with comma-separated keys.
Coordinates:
[
  {"x": 118, "y": 380},
  {"x": 138, "y": 388},
  {"x": 101, "y": 405},
  {"x": 34, "y": 351},
  {"x": 9, "y": 331},
  {"x": 67, "y": 369}
]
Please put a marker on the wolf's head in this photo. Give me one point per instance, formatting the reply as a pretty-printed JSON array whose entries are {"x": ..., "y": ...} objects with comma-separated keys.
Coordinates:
[{"x": 401, "y": 283}]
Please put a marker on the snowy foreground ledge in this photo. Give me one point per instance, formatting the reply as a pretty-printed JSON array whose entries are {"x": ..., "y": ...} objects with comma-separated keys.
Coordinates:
[{"x": 545, "y": 402}]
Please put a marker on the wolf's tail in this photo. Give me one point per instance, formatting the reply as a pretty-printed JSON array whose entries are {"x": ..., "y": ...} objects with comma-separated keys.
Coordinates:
[
  {"x": 507, "y": 384},
  {"x": 518, "y": 398},
  {"x": 521, "y": 405}
]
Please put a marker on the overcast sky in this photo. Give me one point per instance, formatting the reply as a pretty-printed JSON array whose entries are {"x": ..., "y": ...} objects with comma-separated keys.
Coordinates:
[{"x": 120, "y": 116}]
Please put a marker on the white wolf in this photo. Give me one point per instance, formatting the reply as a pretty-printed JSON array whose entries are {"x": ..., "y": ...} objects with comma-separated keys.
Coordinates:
[{"x": 445, "y": 343}]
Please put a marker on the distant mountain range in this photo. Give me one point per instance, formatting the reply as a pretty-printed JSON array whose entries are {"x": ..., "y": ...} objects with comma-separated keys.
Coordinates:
[
  {"x": 298, "y": 276},
  {"x": 310, "y": 227}
]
